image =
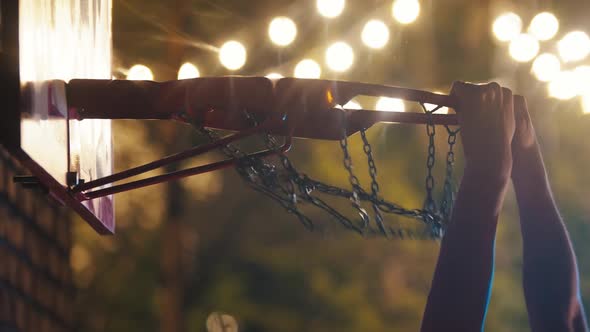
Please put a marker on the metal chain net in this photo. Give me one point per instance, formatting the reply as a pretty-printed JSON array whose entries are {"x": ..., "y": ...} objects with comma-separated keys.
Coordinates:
[{"x": 290, "y": 188}]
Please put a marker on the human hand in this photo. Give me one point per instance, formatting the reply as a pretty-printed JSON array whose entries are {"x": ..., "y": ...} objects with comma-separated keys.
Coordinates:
[{"x": 486, "y": 116}]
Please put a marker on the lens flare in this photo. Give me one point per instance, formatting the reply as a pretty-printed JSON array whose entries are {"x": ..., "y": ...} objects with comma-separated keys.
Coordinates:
[
  {"x": 375, "y": 34},
  {"x": 405, "y": 11},
  {"x": 507, "y": 26},
  {"x": 330, "y": 8},
  {"x": 307, "y": 69},
  {"x": 188, "y": 70},
  {"x": 232, "y": 55},
  {"x": 274, "y": 76},
  {"x": 546, "y": 67},
  {"x": 524, "y": 48},
  {"x": 282, "y": 31},
  {"x": 339, "y": 56},
  {"x": 544, "y": 26},
  {"x": 574, "y": 46},
  {"x": 140, "y": 73},
  {"x": 387, "y": 104}
]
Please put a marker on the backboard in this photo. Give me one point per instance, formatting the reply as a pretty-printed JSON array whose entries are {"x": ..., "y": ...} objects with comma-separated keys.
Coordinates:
[{"x": 54, "y": 42}]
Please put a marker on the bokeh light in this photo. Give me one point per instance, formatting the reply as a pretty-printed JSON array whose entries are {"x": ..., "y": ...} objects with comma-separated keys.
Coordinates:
[
  {"x": 507, "y": 26},
  {"x": 352, "y": 105},
  {"x": 563, "y": 86},
  {"x": 308, "y": 69},
  {"x": 582, "y": 79},
  {"x": 282, "y": 31},
  {"x": 232, "y": 55},
  {"x": 140, "y": 73},
  {"x": 330, "y": 8},
  {"x": 387, "y": 104},
  {"x": 375, "y": 34},
  {"x": 524, "y": 48},
  {"x": 544, "y": 26},
  {"x": 546, "y": 67},
  {"x": 274, "y": 76},
  {"x": 188, "y": 70},
  {"x": 574, "y": 46},
  {"x": 339, "y": 56},
  {"x": 405, "y": 11}
]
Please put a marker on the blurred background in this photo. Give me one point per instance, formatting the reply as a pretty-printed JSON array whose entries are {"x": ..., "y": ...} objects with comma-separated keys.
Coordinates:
[{"x": 208, "y": 244}]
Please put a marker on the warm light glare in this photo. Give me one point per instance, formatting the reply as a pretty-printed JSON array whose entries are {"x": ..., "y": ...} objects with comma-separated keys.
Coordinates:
[
  {"x": 563, "y": 86},
  {"x": 544, "y": 26},
  {"x": 546, "y": 67},
  {"x": 232, "y": 55},
  {"x": 330, "y": 8},
  {"x": 274, "y": 76},
  {"x": 387, "y": 104},
  {"x": 375, "y": 34},
  {"x": 405, "y": 11},
  {"x": 352, "y": 105},
  {"x": 188, "y": 70},
  {"x": 282, "y": 31},
  {"x": 586, "y": 103},
  {"x": 339, "y": 56},
  {"x": 524, "y": 48},
  {"x": 507, "y": 26},
  {"x": 140, "y": 73},
  {"x": 308, "y": 69},
  {"x": 574, "y": 46}
]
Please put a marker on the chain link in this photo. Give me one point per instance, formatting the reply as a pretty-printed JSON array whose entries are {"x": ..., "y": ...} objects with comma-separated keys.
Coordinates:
[{"x": 290, "y": 188}]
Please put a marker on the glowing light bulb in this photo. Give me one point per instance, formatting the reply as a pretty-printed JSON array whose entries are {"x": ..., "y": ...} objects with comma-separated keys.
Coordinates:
[
  {"x": 375, "y": 34},
  {"x": 574, "y": 46},
  {"x": 352, "y": 105},
  {"x": 330, "y": 8},
  {"x": 546, "y": 67},
  {"x": 563, "y": 86},
  {"x": 544, "y": 26},
  {"x": 307, "y": 69},
  {"x": 405, "y": 11},
  {"x": 282, "y": 31},
  {"x": 507, "y": 26},
  {"x": 140, "y": 73},
  {"x": 339, "y": 56},
  {"x": 274, "y": 76},
  {"x": 232, "y": 55},
  {"x": 387, "y": 104},
  {"x": 188, "y": 70},
  {"x": 524, "y": 48}
]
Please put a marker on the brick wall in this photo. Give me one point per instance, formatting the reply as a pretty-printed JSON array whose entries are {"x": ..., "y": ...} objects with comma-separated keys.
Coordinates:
[{"x": 36, "y": 288}]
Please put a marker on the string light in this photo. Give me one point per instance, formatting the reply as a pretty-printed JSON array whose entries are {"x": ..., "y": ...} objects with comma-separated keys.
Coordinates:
[
  {"x": 330, "y": 8},
  {"x": 563, "y": 86},
  {"x": 544, "y": 26},
  {"x": 307, "y": 69},
  {"x": 232, "y": 55},
  {"x": 546, "y": 67},
  {"x": 188, "y": 70},
  {"x": 574, "y": 46},
  {"x": 375, "y": 34},
  {"x": 524, "y": 48},
  {"x": 140, "y": 73},
  {"x": 282, "y": 31},
  {"x": 405, "y": 11},
  {"x": 387, "y": 104},
  {"x": 507, "y": 26},
  {"x": 339, "y": 56}
]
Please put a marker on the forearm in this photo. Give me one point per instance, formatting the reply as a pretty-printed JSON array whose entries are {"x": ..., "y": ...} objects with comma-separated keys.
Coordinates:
[
  {"x": 461, "y": 284},
  {"x": 550, "y": 274}
]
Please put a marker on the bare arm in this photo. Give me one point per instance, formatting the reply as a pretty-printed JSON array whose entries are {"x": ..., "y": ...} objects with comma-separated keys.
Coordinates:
[
  {"x": 462, "y": 280},
  {"x": 550, "y": 275}
]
